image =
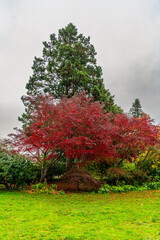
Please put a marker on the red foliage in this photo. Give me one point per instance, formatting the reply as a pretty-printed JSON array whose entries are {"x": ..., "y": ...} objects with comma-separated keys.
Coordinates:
[
  {"x": 133, "y": 135},
  {"x": 82, "y": 130},
  {"x": 85, "y": 129}
]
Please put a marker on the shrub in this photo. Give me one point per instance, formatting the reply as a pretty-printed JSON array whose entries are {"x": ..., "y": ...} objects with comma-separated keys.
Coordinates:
[
  {"x": 128, "y": 166},
  {"x": 149, "y": 161},
  {"x": 139, "y": 177},
  {"x": 127, "y": 188},
  {"x": 98, "y": 169},
  {"x": 116, "y": 175},
  {"x": 103, "y": 190},
  {"x": 81, "y": 178},
  {"x": 153, "y": 185},
  {"x": 106, "y": 188},
  {"x": 43, "y": 188},
  {"x": 16, "y": 171}
]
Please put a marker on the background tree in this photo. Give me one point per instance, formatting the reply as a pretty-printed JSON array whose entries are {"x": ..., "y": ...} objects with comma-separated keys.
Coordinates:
[
  {"x": 4, "y": 148},
  {"x": 136, "y": 109},
  {"x": 68, "y": 65}
]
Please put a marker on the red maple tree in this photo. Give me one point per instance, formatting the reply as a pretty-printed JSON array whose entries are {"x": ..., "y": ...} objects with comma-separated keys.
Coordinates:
[
  {"x": 133, "y": 135},
  {"x": 79, "y": 129},
  {"x": 76, "y": 127}
]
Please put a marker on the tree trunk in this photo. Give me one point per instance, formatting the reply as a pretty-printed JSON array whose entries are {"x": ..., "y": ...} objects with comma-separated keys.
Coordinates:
[
  {"x": 69, "y": 163},
  {"x": 43, "y": 174},
  {"x": 78, "y": 188}
]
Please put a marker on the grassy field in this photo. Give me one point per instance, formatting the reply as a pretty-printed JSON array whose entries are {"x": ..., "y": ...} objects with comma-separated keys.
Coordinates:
[{"x": 129, "y": 216}]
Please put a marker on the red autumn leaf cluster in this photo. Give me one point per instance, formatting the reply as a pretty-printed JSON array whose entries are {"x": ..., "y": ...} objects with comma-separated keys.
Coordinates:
[
  {"x": 82, "y": 130},
  {"x": 133, "y": 135}
]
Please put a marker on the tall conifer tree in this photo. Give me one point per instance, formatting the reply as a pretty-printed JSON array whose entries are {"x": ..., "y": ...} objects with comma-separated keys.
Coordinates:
[
  {"x": 68, "y": 65},
  {"x": 136, "y": 109}
]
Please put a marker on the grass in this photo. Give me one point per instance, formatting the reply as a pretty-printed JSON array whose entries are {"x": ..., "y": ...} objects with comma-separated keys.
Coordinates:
[{"x": 133, "y": 215}]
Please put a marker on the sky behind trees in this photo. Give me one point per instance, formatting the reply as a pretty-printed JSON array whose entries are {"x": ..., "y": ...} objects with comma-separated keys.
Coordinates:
[{"x": 125, "y": 34}]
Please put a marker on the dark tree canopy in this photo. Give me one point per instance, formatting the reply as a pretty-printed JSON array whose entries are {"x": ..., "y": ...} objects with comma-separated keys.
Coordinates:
[
  {"x": 136, "y": 109},
  {"x": 68, "y": 65}
]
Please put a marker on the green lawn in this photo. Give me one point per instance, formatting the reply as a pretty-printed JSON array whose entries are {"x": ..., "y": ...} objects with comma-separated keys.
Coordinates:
[{"x": 129, "y": 216}]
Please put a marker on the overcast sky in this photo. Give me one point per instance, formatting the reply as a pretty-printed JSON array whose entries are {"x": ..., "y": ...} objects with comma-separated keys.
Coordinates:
[{"x": 125, "y": 34}]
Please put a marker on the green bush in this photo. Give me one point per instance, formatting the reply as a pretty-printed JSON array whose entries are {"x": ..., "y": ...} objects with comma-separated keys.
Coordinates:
[
  {"x": 115, "y": 176},
  {"x": 156, "y": 177},
  {"x": 149, "y": 161},
  {"x": 127, "y": 188},
  {"x": 118, "y": 176},
  {"x": 104, "y": 189},
  {"x": 16, "y": 171},
  {"x": 128, "y": 166},
  {"x": 98, "y": 169},
  {"x": 43, "y": 187},
  {"x": 153, "y": 185},
  {"x": 139, "y": 177}
]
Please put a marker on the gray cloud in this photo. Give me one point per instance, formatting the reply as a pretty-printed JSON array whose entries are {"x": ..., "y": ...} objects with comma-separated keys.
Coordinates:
[{"x": 126, "y": 36}]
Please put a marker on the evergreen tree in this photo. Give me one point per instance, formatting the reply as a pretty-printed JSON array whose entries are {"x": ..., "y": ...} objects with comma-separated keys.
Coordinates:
[
  {"x": 136, "y": 109},
  {"x": 68, "y": 65}
]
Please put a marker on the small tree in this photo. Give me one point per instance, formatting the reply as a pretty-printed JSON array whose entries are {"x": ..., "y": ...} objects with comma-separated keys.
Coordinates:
[{"x": 136, "y": 109}]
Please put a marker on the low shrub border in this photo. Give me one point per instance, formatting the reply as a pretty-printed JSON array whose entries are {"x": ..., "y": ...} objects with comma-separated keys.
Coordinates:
[{"x": 127, "y": 188}]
